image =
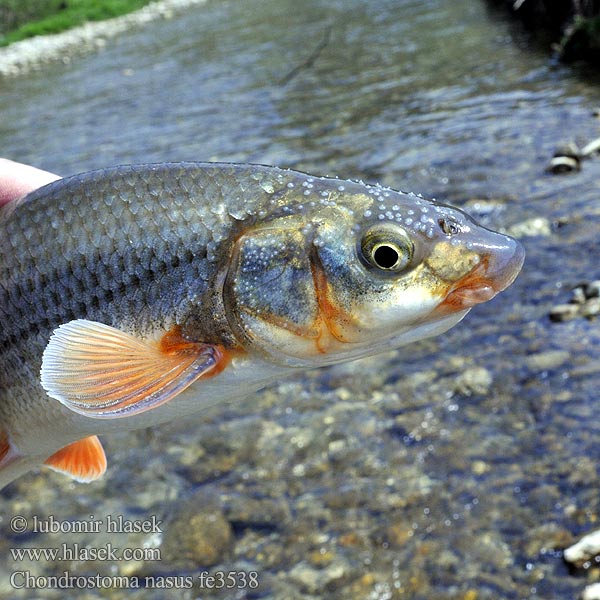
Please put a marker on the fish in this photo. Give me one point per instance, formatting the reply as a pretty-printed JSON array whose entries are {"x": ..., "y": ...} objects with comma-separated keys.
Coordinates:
[{"x": 138, "y": 294}]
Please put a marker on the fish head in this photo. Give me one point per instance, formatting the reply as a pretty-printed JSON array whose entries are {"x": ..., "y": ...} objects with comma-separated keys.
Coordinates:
[{"x": 361, "y": 274}]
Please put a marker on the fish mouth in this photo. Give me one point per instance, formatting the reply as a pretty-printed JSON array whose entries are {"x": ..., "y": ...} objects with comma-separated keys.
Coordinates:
[{"x": 493, "y": 274}]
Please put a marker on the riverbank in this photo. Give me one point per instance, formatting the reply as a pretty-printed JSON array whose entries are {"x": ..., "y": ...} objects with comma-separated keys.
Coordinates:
[
  {"x": 33, "y": 53},
  {"x": 573, "y": 28},
  {"x": 30, "y": 18}
]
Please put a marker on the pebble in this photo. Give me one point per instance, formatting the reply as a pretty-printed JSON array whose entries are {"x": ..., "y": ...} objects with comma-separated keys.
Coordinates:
[
  {"x": 591, "y": 308},
  {"x": 257, "y": 513},
  {"x": 591, "y": 592},
  {"x": 547, "y": 538},
  {"x": 534, "y": 227},
  {"x": 564, "y": 312},
  {"x": 560, "y": 165},
  {"x": 591, "y": 147},
  {"x": 474, "y": 381},
  {"x": 585, "y": 302},
  {"x": 313, "y": 579},
  {"x": 197, "y": 536},
  {"x": 584, "y": 550},
  {"x": 568, "y": 157},
  {"x": 570, "y": 149},
  {"x": 592, "y": 289},
  {"x": 552, "y": 359}
]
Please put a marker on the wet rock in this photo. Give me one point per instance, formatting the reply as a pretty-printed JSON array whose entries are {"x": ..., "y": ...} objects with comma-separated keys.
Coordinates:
[
  {"x": 543, "y": 361},
  {"x": 591, "y": 308},
  {"x": 560, "y": 165},
  {"x": 564, "y": 312},
  {"x": 537, "y": 226},
  {"x": 585, "y": 302},
  {"x": 578, "y": 295},
  {"x": 592, "y": 289},
  {"x": 590, "y": 368},
  {"x": 474, "y": 381},
  {"x": 491, "y": 549},
  {"x": 480, "y": 467},
  {"x": 567, "y": 158},
  {"x": 547, "y": 538},
  {"x": 586, "y": 291},
  {"x": 313, "y": 579},
  {"x": 257, "y": 513},
  {"x": 591, "y": 592},
  {"x": 587, "y": 548},
  {"x": 570, "y": 150},
  {"x": 222, "y": 449},
  {"x": 591, "y": 148},
  {"x": 197, "y": 536}
]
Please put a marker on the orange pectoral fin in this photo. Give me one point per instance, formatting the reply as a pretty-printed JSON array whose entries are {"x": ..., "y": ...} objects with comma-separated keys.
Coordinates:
[
  {"x": 84, "y": 460},
  {"x": 102, "y": 372}
]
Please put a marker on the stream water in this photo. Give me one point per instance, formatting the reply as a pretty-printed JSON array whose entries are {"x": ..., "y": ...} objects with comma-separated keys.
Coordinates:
[{"x": 457, "y": 469}]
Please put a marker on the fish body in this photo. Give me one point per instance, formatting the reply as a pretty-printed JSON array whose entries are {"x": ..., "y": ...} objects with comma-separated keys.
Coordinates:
[{"x": 134, "y": 295}]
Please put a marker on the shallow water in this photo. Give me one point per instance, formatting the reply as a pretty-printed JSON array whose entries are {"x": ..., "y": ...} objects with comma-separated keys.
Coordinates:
[{"x": 456, "y": 469}]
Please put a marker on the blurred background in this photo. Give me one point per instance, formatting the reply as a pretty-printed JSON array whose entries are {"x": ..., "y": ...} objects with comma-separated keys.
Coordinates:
[{"x": 459, "y": 468}]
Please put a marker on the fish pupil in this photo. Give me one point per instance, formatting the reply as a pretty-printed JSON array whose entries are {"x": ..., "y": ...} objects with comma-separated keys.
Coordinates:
[{"x": 385, "y": 257}]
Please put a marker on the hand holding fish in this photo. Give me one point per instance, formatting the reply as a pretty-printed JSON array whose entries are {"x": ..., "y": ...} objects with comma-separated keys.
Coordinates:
[{"x": 18, "y": 179}]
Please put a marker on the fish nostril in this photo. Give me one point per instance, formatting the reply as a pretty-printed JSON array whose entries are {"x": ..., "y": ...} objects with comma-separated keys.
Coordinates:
[{"x": 449, "y": 226}]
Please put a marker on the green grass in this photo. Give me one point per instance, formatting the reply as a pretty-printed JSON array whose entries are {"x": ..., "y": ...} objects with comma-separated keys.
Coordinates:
[{"x": 20, "y": 19}]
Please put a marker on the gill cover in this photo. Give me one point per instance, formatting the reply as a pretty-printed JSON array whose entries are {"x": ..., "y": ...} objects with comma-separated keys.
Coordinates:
[{"x": 269, "y": 290}]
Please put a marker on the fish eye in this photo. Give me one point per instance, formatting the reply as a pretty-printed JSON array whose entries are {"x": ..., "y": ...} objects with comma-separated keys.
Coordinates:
[{"x": 387, "y": 248}]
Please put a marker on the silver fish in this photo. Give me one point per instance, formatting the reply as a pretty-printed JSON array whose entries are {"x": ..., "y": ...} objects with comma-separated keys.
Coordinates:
[{"x": 134, "y": 295}]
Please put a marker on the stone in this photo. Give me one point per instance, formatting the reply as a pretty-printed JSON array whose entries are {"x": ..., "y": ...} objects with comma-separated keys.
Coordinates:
[
  {"x": 584, "y": 550},
  {"x": 547, "y": 538},
  {"x": 544, "y": 361},
  {"x": 564, "y": 164},
  {"x": 591, "y": 308},
  {"x": 197, "y": 536},
  {"x": 564, "y": 312},
  {"x": 313, "y": 579},
  {"x": 257, "y": 513},
  {"x": 591, "y": 592},
  {"x": 474, "y": 381},
  {"x": 579, "y": 295},
  {"x": 592, "y": 289},
  {"x": 536, "y": 226}
]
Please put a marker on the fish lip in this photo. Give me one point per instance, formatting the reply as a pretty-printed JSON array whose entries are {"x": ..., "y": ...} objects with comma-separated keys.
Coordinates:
[{"x": 494, "y": 273}]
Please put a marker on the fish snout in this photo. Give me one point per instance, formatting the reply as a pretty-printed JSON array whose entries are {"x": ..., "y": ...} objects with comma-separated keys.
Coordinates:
[{"x": 501, "y": 259}]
